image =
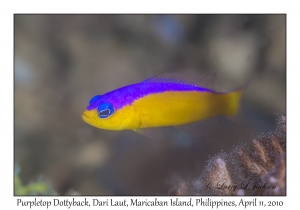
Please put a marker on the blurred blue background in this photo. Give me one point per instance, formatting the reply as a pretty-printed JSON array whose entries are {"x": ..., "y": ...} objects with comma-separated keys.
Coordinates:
[{"x": 61, "y": 61}]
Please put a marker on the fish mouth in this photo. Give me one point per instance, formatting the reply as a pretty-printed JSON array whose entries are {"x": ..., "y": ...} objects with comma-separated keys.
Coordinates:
[{"x": 85, "y": 116}]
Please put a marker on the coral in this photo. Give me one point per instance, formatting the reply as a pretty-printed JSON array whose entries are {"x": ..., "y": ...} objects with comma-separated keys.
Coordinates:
[
  {"x": 258, "y": 168},
  {"x": 36, "y": 188}
]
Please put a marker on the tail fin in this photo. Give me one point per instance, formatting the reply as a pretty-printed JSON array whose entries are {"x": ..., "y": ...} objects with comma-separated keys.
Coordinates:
[{"x": 234, "y": 97}]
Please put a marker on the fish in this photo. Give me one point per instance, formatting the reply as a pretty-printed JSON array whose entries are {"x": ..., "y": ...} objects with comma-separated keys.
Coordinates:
[{"x": 184, "y": 100}]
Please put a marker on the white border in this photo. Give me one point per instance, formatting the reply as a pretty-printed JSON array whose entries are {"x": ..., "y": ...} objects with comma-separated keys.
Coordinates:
[{"x": 8, "y": 8}]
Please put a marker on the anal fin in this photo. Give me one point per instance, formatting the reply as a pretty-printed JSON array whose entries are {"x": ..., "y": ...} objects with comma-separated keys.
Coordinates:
[{"x": 201, "y": 128}]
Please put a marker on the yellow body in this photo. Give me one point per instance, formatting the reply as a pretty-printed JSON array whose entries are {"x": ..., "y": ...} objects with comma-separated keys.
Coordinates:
[{"x": 167, "y": 109}]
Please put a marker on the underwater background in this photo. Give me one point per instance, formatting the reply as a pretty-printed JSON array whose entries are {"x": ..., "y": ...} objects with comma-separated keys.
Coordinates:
[{"x": 61, "y": 61}]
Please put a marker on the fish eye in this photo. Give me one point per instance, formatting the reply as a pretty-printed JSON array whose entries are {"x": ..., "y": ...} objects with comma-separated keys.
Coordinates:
[
  {"x": 105, "y": 110},
  {"x": 94, "y": 99}
]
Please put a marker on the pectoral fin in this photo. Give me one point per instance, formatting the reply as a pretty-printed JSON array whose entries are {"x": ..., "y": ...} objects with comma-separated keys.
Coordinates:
[{"x": 152, "y": 133}]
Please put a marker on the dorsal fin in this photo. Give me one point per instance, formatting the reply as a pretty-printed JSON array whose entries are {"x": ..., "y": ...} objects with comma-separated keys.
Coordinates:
[{"x": 195, "y": 79}]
